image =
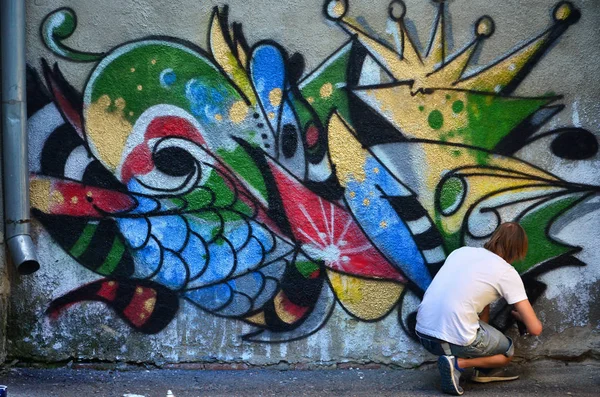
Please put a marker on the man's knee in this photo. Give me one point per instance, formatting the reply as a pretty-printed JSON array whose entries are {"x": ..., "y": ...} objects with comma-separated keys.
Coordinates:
[{"x": 511, "y": 348}]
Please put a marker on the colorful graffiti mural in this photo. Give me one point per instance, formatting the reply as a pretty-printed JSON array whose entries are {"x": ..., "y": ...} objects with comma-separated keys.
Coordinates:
[{"x": 230, "y": 179}]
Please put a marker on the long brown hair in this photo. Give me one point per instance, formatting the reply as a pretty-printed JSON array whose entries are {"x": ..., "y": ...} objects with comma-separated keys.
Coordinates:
[{"x": 509, "y": 242}]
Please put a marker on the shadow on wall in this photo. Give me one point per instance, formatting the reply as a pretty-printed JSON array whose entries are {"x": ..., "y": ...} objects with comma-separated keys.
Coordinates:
[{"x": 225, "y": 178}]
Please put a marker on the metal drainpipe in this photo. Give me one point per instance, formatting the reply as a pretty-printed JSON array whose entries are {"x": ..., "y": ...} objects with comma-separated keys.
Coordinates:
[{"x": 14, "y": 137}]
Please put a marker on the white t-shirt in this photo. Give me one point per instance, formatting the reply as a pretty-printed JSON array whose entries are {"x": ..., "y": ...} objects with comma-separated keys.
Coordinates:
[{"x": 470, "y": 279}]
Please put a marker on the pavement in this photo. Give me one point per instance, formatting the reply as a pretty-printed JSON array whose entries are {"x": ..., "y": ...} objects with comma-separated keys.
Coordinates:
[{"x": 541, "y": 378}]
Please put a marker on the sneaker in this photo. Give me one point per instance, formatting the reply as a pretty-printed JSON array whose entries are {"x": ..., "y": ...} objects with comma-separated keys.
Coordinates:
[
  {"x": 482, "y": 375},
  {"x": 450, "y": 376}
]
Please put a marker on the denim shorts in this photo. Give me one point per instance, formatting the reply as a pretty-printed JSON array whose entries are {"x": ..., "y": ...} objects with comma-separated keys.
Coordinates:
[{"x": 488, "y": 342}]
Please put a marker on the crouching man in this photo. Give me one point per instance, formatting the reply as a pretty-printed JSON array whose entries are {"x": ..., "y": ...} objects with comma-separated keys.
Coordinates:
[{"x": 452, "y": 321}]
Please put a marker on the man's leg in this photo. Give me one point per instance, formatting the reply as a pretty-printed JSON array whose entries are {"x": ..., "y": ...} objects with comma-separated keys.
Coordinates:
[
  {"x": 450, "y": 376},
  {"x": 490, "y": 351}
]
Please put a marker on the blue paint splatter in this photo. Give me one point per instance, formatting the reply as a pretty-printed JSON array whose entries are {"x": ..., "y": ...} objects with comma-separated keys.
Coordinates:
[
  {"x": 206, "y": 100},
  {"x": 167, "y": 78}
]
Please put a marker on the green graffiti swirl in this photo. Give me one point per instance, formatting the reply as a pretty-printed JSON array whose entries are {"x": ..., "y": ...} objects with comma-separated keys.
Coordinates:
[{"x": 58, "y": 26}]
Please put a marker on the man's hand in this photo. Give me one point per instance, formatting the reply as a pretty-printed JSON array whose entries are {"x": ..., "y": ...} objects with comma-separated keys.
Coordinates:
[
  {"x": 519, "y": 321},
  {"x": 524, "y": 313}
]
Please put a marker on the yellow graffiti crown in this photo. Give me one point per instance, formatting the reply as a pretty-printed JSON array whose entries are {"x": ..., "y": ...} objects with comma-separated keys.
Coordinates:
[{"x": 435, "y": 68}]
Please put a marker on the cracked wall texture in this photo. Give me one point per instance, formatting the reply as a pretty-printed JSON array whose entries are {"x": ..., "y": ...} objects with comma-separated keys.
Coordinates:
[{"x": 283, "y": 190}]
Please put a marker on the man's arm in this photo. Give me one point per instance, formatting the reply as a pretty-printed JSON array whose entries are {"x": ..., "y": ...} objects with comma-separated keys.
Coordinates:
[
  {"x": 485, "y": 314},
  {"x": 524, "y": 313}
]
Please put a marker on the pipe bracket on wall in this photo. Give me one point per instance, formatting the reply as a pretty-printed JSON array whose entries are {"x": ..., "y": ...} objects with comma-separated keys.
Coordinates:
[{"x": 14, "y": 138}]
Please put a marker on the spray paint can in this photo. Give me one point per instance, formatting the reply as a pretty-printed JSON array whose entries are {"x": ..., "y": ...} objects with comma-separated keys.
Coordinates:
[{"x": 3, "y": 392}]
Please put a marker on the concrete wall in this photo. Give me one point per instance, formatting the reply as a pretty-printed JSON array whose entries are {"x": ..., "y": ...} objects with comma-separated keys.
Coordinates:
[{"x": 285, "y": 189}]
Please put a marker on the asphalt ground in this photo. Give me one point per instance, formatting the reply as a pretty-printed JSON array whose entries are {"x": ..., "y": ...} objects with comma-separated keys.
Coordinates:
[{"x": 541, "y": 378}]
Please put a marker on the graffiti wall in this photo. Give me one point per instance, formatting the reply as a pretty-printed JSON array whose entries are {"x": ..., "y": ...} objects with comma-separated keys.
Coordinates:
[{"x": 225, "y": 187}]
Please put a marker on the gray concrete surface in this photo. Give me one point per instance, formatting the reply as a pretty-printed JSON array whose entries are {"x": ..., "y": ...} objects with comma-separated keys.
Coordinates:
[{"x": 542, "y": 378}]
